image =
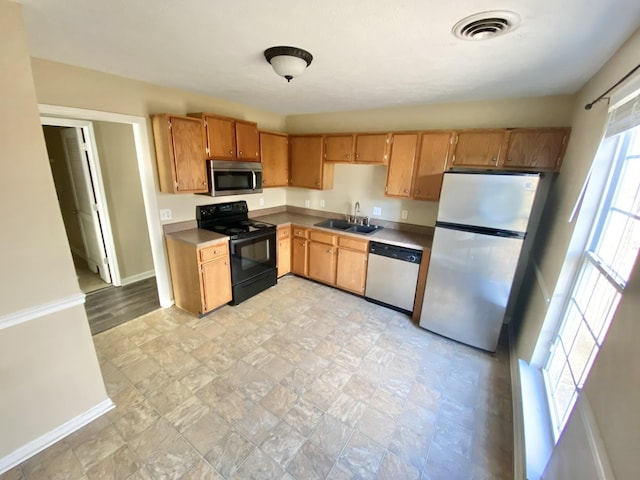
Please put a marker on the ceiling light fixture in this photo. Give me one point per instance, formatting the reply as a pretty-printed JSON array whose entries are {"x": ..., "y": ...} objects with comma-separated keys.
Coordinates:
[
  {"x": 288, "y": 62},
  {"x": 486, "y": 25}
]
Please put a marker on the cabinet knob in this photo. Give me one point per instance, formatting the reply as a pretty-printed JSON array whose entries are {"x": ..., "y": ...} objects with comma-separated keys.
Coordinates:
[
  {"x": 317, "y": 183},
  {"x": 417, "y": 192},
  {"x": 348, "y": 156},
  {"x": 406, "y": 191},
  {"x": 230, "y": 152},
  {"x": 240, "y": 153},
  {"x": 495, "y": 159},
  {"x": 357, "y": 155}
]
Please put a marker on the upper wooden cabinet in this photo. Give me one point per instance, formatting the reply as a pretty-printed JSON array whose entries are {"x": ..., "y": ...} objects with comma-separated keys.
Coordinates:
[
  {"x": 479, "y": 148},
  {"x": 247, "y": 143},
  {"x": 417, "y": 164},
  {"x": 434, "y": 151},
  {"x": 338, "y": 148},
  {"x": 372, "y": 147},
  {"x": 401, "y": 164},
  {"x": 536, "y": 149},
  {"x": 275, "y": 159},
  {"x": 230, "y": 139},
  {"x": 180, "y": 154},
  {"x": 306, "y": 163}
]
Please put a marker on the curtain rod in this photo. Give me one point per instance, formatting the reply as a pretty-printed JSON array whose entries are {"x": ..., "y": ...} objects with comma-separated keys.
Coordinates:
[{"x": 589, "y": 105}]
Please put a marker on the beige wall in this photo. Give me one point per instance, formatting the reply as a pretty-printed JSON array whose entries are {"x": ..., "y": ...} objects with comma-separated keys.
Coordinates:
[
  {"x": 517, "y": 112},
  {"x": 60, "y": 84},
  {"x": 69, "y": 86},
  {"x": 48, "y": 367},
  {"x": 119, "y": 166},
  {"x": 612, "y": 388},
  {"x": 366, "y": 184}
]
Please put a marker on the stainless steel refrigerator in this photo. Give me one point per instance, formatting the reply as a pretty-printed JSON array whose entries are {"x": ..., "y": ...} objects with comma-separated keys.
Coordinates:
[{"x": 481, "y": 225}]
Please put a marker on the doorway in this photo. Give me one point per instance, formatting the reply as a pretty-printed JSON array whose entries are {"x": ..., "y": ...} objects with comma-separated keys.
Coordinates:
[
  {"x": 75, "y": 167},
  {"x": 145, "y": 176}
]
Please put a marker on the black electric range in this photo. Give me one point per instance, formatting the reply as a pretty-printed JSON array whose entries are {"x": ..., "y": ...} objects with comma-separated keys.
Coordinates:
[{"x": 252, "y": 246}]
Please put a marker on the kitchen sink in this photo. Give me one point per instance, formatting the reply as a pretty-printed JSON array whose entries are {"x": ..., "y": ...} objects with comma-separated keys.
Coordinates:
[
  {"x": 343, "y": 225},
  {"x": 335, "y": 223}
]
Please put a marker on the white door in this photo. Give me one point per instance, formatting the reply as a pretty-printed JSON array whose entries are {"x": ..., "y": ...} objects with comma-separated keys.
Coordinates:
[{"x": 86, "y": 206}]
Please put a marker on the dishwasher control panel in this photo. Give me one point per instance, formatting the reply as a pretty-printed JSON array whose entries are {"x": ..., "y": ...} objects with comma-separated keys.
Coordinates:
[{"x": 392, "y": 251}]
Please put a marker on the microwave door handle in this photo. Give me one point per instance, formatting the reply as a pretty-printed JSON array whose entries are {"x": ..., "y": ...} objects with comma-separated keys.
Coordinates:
[{"x": 253, "y": 174}]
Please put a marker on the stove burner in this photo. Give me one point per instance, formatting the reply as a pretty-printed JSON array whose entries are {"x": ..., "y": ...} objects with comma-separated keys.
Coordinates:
[
  {"x": 233, "y": 231},
  {"x": 260, "y": 225}
]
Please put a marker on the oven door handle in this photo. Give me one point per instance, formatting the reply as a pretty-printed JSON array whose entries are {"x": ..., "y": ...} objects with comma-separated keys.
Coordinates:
[{"x": 255, "y": 183}]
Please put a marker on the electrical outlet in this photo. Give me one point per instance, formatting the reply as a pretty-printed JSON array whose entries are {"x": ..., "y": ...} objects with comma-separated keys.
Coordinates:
[
  {"x": 321, "y": 203},
  {"x": 307, "y": 204},
  {"x": 165, "y": 214},
  {"x": 404, "y": 214},
  {"x": 261, "y": 201},
  {"x": 377, "y": 211}
]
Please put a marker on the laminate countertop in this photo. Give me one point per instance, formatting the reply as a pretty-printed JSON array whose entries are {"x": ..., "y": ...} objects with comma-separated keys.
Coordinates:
[
  {"x": 402, "y": 238},
  {"x": 197, "y": 236}
]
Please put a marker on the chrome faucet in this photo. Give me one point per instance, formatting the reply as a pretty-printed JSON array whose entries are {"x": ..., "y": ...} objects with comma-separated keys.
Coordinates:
[{"x": 356, "y": 211}]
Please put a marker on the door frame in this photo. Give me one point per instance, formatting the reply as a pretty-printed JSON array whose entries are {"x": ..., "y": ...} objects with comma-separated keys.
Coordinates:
[
  {"x": 146, "y": 168},
  {"x": 95, "y": 172}
]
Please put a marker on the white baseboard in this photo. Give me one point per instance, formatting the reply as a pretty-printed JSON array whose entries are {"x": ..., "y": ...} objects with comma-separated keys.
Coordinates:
[
  {"x": 35, "y": 446},
  {"x": 138, "y": 277},
  {"x": 38, "y": 311},
  {"x": 519, "y": 459}
]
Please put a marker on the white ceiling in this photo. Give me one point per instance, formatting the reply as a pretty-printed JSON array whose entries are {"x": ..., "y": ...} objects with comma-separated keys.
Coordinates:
[{"x": 367, "y": 53}]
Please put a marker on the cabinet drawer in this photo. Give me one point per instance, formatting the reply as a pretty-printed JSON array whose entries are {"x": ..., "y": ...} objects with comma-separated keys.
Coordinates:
[
  {"x": 323, "y": 237},
  {"x": 284, "y": 232},
  {"x": 300, "y": 232},
  {"x": 214, "y": 251},
  {"x": 353, "y": 243}
]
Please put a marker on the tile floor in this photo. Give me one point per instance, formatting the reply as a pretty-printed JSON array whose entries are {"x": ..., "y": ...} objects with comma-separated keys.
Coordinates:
[{"x": 300, "y": 382}]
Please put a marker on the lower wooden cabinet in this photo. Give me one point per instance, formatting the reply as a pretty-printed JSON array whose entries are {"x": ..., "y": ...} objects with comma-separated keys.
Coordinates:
[
  {"x": 351, "y": 272},
  {"x": 299, "y": 251},
  {"x": 201, "y": 275},
  {"x": 336, "y": 260},
  {"x": 284, "y": 250},
  {"x": 322, "y": 257}
]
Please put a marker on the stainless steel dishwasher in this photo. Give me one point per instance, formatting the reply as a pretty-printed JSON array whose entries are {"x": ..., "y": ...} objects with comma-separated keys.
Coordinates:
[{"x": 392, "y": 275}]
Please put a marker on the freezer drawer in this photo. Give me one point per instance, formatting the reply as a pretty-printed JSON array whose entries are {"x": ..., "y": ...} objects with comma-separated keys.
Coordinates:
[
  {"x": 468, "y": 286},
  {"x": 499, "y": 201}
]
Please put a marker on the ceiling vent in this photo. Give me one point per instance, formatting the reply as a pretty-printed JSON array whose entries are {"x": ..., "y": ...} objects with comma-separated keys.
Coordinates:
[{"x": 486, "y": 25}]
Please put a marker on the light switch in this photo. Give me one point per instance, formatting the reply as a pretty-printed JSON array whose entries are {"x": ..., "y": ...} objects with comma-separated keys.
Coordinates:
[
  {"x": 404, "y": 214},
  {"x": 377, "y": 211}
]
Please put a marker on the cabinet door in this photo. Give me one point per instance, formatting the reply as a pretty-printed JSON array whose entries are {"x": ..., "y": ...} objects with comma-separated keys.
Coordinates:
[
  {"x": 306, "y": 161},
  {"x": 188, "y": 157},
  {"x": 284, "y": 250},
  {"x": 338, "y": 148},
  {"x": 322, "y": 262},
  {"x": 216, "y": 283},
  {"x": 247, "y": 143},
  {"x": 299, "y": 256},
  {"x": 372, "y": 148},
  {"x": 479, "y": 148},
  {"x": 432, "y": 163},
  {"x": 275, "y": 160},
  {"x": 221, "y": 138},
  {"x": 351, "y": 272},
  {"x": 537, "y": 149},
  {"x": 401, "y": 161}
]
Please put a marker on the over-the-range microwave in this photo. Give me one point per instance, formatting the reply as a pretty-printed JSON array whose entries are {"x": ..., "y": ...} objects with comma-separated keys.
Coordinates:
[{"x": 234, "y": 178}]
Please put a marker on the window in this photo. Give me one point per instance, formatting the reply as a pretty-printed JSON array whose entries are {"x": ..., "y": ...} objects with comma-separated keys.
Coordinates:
[{"x": 599, "y": 283}]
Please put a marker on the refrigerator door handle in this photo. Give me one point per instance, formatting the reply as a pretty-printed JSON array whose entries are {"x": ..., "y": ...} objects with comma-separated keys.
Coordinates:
[{"x": 494, "y": 232}]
